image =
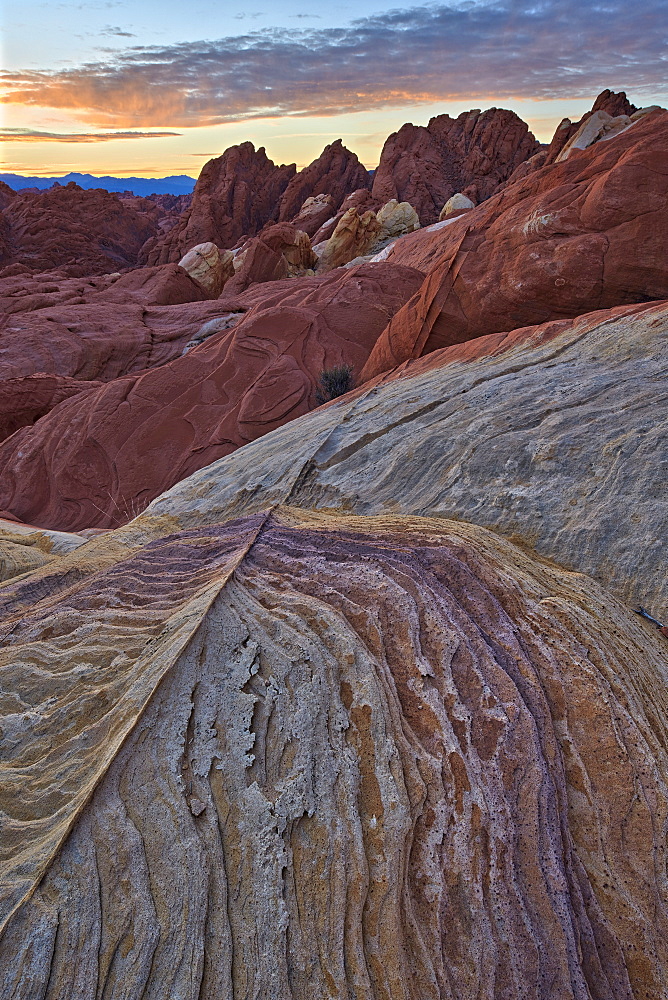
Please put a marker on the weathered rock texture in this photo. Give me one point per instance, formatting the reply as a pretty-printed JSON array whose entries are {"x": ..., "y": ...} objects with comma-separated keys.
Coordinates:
[
  {"x": 554, "y": 435},
  {"x": 381, "y": 756},
  {"x": 337, "y": 172},
  {"x": 82, "y": 232},
  {"x": 282, "y": 251},
  {"x": 25, "y": 400},
  {"x": 355, "y": 234},
  {"x": 98, "y": 459},
  {"x": 588, "y": 233},
  {"x": 473, "y": 154},
  {"x": 209, "y": 267},
  {"x": 236, "y": 194}
]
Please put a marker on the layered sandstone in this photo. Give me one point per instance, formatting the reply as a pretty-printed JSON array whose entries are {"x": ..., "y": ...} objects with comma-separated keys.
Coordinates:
[
  {"x": 336, "y": 172},
  {"x": 391, "y": 756},
  {"x": 98, "y": 459},
  {"x": 590, "y": 232}
]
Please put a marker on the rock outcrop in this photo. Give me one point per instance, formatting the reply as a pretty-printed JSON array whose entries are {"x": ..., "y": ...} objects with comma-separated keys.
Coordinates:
[
  {"x": 355, "y": 234},
  {"x": 25, "y": 400},
  {"x": 81, "y": 232},
  {"x": 473, "y": 154},
  {"x": 554, "y": 435},
  {"x": 457, "y": 203},
  {"x": 590, "y": 232},
  {"x": 410, "y": 723},
  {"x": 282, "y": 251},
  {"x": 236, "y": 194},
  {"x": 99, "y": 459},
  {"x": 337, "y": 172},
  {"x": 314, "y": 213},
  {"x": 209, "y": 267}
]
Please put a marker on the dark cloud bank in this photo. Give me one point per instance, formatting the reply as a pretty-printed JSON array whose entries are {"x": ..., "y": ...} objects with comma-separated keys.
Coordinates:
[{"x": 516, "y": 48}]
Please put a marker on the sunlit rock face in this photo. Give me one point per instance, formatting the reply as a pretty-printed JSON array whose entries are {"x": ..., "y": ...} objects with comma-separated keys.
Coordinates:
[{"x": 393, "y": 756}]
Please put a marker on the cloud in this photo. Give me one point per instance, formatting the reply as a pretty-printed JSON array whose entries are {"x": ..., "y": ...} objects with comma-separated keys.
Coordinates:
[
  {"x": 116, "y": 32},
  {"x": 455, "y": 51},
  {"x": 33, "y": 135}
]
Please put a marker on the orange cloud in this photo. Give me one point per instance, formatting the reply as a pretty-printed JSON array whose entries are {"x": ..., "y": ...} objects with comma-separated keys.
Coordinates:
[
  {"x": 514, "y": 48},
  {"x": 34, "y": 135}
]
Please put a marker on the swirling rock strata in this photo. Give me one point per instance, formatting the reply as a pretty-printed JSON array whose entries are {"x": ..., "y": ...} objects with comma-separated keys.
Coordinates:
[
  {"x": 387, "y": 757},
  {"x": 553, "y": 434}
]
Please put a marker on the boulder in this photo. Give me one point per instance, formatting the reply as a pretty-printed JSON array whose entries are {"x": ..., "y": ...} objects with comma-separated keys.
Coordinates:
[
  {"x": 281, "y": 251},
  {"x": 98, "y": 459},
  {"x": 237, "y": 193},
  {"x": 473, "y": 154},
  {"x": 396, "y": 219},
  {"x": 355, "y": 234},
  {"x": 410, "y": 722},
  {"x": 314, "y": 213},
  {"x": 337, "y": 172},
  {"x": 458, "y": 203},
  {"x": 208, "y": 267},
  {"x": 589, "y": 232}
]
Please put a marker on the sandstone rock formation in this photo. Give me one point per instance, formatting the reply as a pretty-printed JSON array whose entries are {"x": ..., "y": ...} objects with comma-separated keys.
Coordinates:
[
  {"x": 25, "y": 400},
  {"x": 237, "y": 193},
  {"x": 314, "y": 213},
  {"x": 553, "y": 434},
  {"x": 209, "y": 267},
  {"x": 81, "y": 232},
  {"x": 337, "y": 172},
  {"x": 396, "y": 219},
  {"x": 98, "y": 459},
  {"x": 473, "y": 154},
  {"x": 282, "y": 251},
  {"x": 457, "y": 203},
  {"x": 355, "y": 234},
  {"x": 343, "y": 753},
  {"x": 590, "y": 232}
]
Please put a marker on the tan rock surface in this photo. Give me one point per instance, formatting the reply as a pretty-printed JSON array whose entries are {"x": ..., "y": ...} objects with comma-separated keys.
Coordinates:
[
  {"x": 458, "y": 203},
  {"x": 209, "y": 267},
  {"x": 355, "y": 234},
  {"x": 371, "y": 735}
]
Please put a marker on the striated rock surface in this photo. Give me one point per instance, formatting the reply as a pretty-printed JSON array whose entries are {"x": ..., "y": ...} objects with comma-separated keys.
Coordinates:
[
  {"x": 209, "y": 267},
  {"x": 25, "y": 400},
  {"x": 472, "y": 154},
  {"x": 355, "y": 234},
  {"x": 82, "y": 232},
  {"x": 342, "y": 755},
  {"x": 98, "y": 459},
  {"x": 553, "y": 434},
  {"x": 590, "y": 232},
  {"x": 337, "y": 172},
  {"x": 236, "y": 194},
  {"x": 24, "y": 548}
]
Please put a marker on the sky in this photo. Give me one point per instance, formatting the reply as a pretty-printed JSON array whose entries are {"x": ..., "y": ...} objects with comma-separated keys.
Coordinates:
[{"x": 157, "y": 87}]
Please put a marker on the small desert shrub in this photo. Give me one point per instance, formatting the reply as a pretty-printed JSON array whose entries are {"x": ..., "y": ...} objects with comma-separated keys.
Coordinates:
[{"x": 334, "y": 382}]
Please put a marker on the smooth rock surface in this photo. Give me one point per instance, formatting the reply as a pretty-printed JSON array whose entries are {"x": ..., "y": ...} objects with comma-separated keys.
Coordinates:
[{"x": 208, "y": 267}]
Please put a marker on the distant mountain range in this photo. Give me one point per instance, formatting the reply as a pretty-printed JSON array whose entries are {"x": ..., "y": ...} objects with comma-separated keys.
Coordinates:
[{"x": 176, "y": 184}]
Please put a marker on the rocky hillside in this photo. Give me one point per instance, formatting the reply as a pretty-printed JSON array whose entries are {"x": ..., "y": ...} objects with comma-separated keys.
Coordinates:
[{"x": 322, "y": 537}]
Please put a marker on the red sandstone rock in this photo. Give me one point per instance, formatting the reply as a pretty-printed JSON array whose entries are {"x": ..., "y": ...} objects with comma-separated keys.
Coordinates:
[
  {"x": 24, "y": 400},
  {"x": 337, "y": 172},
  {"x": 474, "y": 154},
  {"x": 281, "y": 251},
  {"x": 588, "y": 233},
  {"x": 361, "y": 199},
  {"x": 98, "y": 459},
  {"x": 80, "y": 232},
  {"x": 236, "y": 193},
  {"x": 314, "y": 213}
]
